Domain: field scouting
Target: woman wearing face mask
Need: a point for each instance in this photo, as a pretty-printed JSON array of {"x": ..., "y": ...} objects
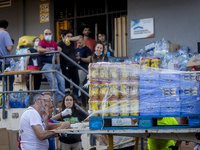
[
  {"x": 98, "y": 56},
  {"x": 32, "y": 64},
  {"x": 70, "y": 141}
]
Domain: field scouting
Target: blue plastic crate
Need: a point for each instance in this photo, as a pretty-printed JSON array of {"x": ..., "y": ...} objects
[
  {"x": 150, "y": 109},
  {"x": 170, "y": 108},
  {"x": 175, "y": 77},
  {"x": 169, "y": 83},
  {"x": 150, "y": 94},
  {"x": 189, "y": 98},
  {"x": 169, "y": 80},
  {"x": 145, "y": 84},
  {"x": 189, "y": 77},
  {"x": 190, "y": 91},
  {"x": 170, "y": 94},
  {"x": 170, "y": 91},
  {"x": 149, "y": 77},
  {"x": 16, "y": 104},
  {"x": 190, "y": 107},
  {"x": 189, "y": 84}
]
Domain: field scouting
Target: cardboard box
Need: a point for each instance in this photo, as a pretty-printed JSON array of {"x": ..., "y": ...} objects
[
  {"x": 194, "y": 61},
  {"x": 4, "y": 140},
  {"x": 187, "y": 145},
  {"x": 20, "y": 78},
  {"x": 173, "y": 47}
]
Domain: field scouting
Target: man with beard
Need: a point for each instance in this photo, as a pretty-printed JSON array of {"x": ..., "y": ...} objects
[
  {"x": 89, "y": 42},
  {"x": 32, "y": 128}
]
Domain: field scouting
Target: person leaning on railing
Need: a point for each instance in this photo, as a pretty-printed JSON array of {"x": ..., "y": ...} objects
[
  {"x": 32, "y": 64},
  {"x": 45, "y": 63}
]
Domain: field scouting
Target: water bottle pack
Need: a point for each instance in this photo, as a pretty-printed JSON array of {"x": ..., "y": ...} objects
[
  {"x": 17, "y": 100},
  {"x": 18, "y": 65}
]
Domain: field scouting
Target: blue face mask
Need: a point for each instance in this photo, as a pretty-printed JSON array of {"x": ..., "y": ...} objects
[
  {"x": 47, "y": 37},
  {"x": 36, "y": 44},
  {"x": 98, "y": 54}
]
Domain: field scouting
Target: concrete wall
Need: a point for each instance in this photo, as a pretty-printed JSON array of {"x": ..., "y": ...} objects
[
  {"x": 174, "y": 20},
  {"x": 23, "y": 17}
]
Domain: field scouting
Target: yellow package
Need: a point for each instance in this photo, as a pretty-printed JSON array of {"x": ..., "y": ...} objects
[
  {"x": 134, "y": 107},
  {"x": 94, "y": 71},
  {"x": 103, "y": 89},
  {"x": 105, "y": 106},
  {"x": 134, "y": 89},
  {"x": 114, "y": 71},
  {"x": 124, "y": 90},
  {"x": 114, "y": 90},
  {"x": 134, "y": 71},
  {"x": 124, "y": 107},
  {"x": 103, "y": 71},
  {"x": 124, "y": 72},
  {"x": 114, "y": 107},
  {"x": 94, "y": 90},
  {"x": 93, "y": 106}
]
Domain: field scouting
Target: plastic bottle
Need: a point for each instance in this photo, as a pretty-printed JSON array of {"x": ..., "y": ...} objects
[
  {"x": 171, "y": 65},
  {"x": 108, "y": 55},
  {"x": 193, "y": 68},
  {"x": 110, "y": 59},
  {"x": 12, "y": 65},
  {"x": 175, "y": 61},
  {"x": 22, "y": 66},
  {"x": 17, "y": 65}
]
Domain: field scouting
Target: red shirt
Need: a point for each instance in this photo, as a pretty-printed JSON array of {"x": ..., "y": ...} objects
[
  {"x": 48, "y": 57},
  {"x": 51, "y": 46}
]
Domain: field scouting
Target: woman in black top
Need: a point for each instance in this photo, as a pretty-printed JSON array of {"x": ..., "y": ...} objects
[
  {"x": 70, "y": 141},
  {"x": 32, "y": 64}
]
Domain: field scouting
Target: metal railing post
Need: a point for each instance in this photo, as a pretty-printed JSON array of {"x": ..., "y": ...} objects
[
  {"x": 4, "y": 87},
  {"x": 54, "y": 84}
]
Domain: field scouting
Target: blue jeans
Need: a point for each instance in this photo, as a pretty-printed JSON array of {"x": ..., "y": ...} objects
[
  {"x": 59, "y": 81},
  {"x": 11, "y": 77}
]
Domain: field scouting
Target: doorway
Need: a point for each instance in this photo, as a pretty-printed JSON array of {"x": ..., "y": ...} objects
[{"x": 96, "y": 24}]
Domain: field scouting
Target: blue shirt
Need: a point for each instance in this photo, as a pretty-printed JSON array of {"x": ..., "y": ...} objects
[
  {"x": 51, "y": 140},
  {"x": 84, "y": 53},
  {"x": 5, "y": 41}
]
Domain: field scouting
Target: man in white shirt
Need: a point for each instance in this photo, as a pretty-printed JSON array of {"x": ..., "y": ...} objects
[{"x": 32, "y": 128}]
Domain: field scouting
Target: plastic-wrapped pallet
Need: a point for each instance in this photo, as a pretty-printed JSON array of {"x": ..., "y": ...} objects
[{"x": 128, "y": 89}]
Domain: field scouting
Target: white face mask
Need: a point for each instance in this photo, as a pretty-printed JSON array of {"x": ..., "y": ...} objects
[
  {"x": 36, "y": 44},
  {"x": 47, "y": 37}
]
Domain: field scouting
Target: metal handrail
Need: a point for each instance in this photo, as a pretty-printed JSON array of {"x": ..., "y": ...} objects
[
  {"x": 35, "y": 54},
  {"x": 39, "y": 72}
]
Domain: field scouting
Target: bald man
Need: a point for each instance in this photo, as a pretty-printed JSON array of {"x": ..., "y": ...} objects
[{"x": 45, "y": 62}]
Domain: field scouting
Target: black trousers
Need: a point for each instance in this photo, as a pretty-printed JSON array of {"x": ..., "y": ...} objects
[
  {"x": 71, "y": 73},
  {"x": 84, "y": 98},
  {"x": 37, "y": 81}
]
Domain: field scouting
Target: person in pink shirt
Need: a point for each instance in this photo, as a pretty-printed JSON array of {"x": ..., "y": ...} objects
[{"x": 45, "y": 62}]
